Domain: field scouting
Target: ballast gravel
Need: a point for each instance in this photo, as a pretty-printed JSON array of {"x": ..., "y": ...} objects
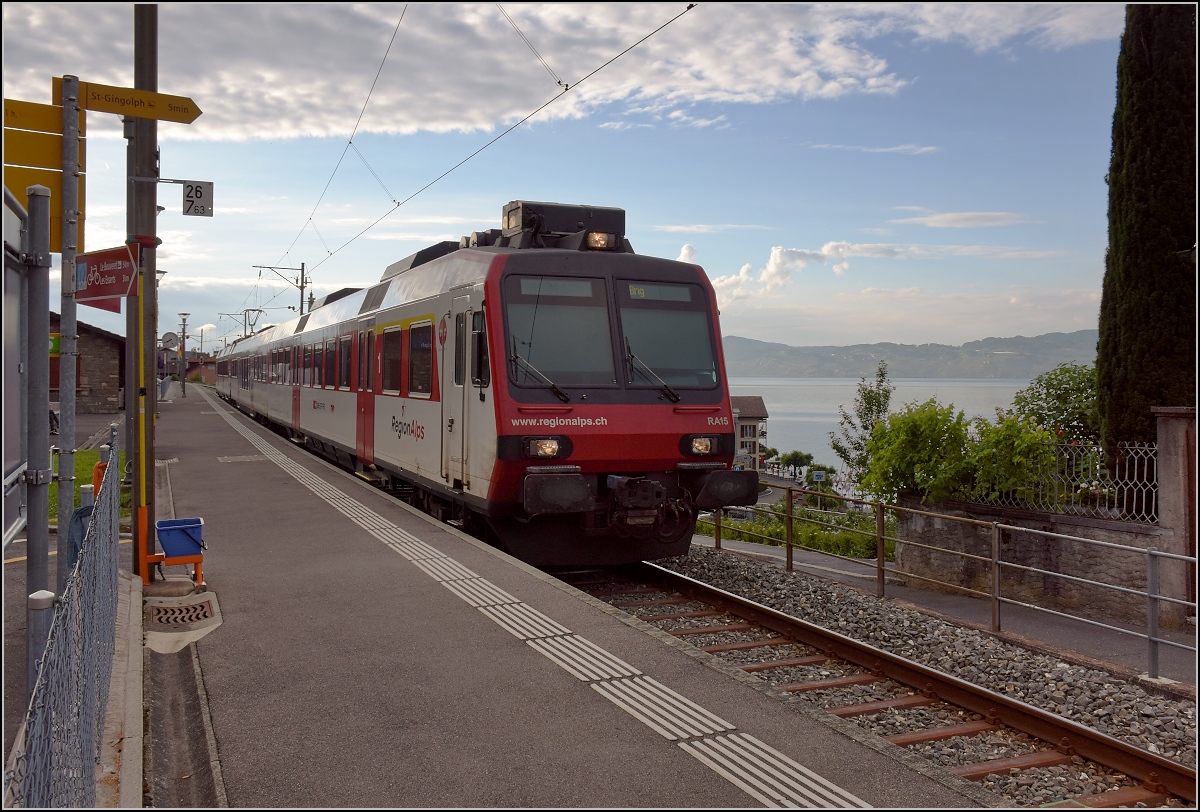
[{"x": 1099, "y": 700}]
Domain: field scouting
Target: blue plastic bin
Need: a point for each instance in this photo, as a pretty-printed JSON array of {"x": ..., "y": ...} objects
[{"x": 180, "y": 537}]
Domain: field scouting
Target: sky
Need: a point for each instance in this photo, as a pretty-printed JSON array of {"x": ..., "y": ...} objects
[{"x": 844, "y": 173}]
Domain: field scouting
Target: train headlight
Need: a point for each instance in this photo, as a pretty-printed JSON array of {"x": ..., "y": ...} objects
[
  {"x": 541, "y": 447},
  {"x": 704, "y": 446},
  {"x": 601, "y": 240}
]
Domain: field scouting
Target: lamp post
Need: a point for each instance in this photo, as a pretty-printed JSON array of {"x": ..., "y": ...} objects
[
  {"x": 183, "y": 354},
  {"x": 159, "y": 273}
]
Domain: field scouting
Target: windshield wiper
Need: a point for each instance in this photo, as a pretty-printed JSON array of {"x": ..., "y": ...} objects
[
  {"x": 560, "y": 394},
  {"x": 630, "y": 357}
]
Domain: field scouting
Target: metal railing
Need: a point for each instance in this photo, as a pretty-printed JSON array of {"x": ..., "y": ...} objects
[
  {"x": 53, "y": 763},
  {"x": 992, "y": 566}
]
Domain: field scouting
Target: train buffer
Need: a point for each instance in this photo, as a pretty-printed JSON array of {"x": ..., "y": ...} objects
[{"x": 182, "y": 542}]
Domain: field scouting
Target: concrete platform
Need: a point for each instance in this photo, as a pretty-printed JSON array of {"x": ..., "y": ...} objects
[{"x": 371, "y": 657}]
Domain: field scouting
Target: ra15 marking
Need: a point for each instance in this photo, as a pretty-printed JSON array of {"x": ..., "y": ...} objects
[{"x": 718, "y": 421}]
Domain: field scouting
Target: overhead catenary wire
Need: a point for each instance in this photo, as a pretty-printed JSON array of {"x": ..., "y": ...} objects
[
  {"x": 551, "y": 101},
  {"x": 550, "y": 70},
  {"x": 353, "y": 132}
]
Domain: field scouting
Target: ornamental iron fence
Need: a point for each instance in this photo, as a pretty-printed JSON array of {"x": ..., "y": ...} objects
[{"x": 1076, "y": 479}]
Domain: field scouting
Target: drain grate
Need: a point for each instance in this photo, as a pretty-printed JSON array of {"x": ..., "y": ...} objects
[
  {"x": 175, "y": 615},
  {"x": 170, "y": 623}
]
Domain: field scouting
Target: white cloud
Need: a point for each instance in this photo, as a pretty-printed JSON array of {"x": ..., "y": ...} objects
[
  {"x": 703, "y": 228},
  {"x": 270, "y": 71},
  {"x": 687, "y": 254},
  {"x": 783, "y": 262},
  {"x": 903, "y": 149},
  {"x": 966, "y": 219},
  {"x": 680, "y": 118}
]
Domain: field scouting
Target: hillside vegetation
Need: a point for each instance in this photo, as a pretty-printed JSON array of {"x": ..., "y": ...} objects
[{"x": 1018, "y": 357}]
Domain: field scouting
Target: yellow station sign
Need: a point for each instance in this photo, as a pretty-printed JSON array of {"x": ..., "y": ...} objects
[
  {"x": 128, "y": 101},
  {"x": 29, "y": 148},
  {"x": 33, "y": 156},
  {"x": 43, "y": 118},
  {"x": 19, "y": 178}
]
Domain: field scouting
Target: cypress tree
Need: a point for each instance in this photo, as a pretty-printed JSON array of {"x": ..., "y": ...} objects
[{"x": 1146, "y": 355}]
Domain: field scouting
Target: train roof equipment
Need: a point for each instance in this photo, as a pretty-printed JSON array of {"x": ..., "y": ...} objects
[{"x": 528, "y": 224}]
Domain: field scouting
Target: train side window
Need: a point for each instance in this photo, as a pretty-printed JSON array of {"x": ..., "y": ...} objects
[
  {"x": 318, "y": 363},
  {"x": 367, "y": 346},
  {"x": 307, "y": 379},
  {"x": 344, "y": 363},
  {"x": 460, "y": 348},
  {"x": 362, "y": 361},
  {"x": 329, "y": 377},
  {"x": 391, "y": 360},
  {"x": 481, "y": 371},
  {"x": 420, "y": 359}
]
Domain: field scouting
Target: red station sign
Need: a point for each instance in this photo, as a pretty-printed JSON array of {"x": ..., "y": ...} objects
[{"x": 102, "y": 278}]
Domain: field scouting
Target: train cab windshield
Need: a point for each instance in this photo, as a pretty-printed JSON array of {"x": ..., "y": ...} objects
[
  {"x": 666, "y": 335},
  {"x": 560, "y": 334}
]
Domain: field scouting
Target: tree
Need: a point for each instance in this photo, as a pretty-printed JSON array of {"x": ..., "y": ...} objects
[
  {"x": 870, "y": 406},
  {"x": 768, "y": 453},
  {"x": 1062, "y": 401},
  {"x": 1146, "y": 355},
  {"x": 796, "y": 459}
]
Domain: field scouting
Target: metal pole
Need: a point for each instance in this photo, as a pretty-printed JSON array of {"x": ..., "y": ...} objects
[
  {"x": 1152, "y": 609},
  {"x": 131, "y": 311},
  {"x": 37, "y": 477},
  {"x": 68, "y": 351},
  {"x": 995, "y": 577},
  {"x": 144, "y": 227},
  {"x": 41, "y": 618},
  {"x": 717, "y": 528},
  {"x": 183, "y": 354},
  {"x": 880, "y": 550},
  {"x": 787, "y": 531}
]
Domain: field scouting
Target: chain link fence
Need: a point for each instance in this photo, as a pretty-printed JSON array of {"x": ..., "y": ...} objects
[
  {"x": 53, "y": 763},
  {"x": 1077, "y": 481}
]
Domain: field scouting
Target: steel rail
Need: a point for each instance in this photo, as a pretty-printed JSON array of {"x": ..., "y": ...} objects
[{"x": 1154, "y": 771}]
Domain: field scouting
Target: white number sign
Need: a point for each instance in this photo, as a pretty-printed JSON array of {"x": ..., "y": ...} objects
[{"x": 198, "y": 198}]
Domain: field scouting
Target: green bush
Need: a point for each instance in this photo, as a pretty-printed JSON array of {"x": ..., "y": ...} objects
[
  {"x": 1062, "y": 401},
  {"x": 1007, "y": 458},
  {"x": 920, "y": 450},
  {"x": 840, "y": 539}
]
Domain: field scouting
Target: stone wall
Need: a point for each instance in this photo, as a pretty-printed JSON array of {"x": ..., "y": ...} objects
[
  {"x": 98, "y": 378},
  {"x": 1050, "y": 554}
]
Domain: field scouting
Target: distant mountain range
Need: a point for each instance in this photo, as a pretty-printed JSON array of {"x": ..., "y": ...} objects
[{"x": 1017, "y": 357}]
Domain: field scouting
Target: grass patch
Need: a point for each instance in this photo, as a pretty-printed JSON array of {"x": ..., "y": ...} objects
[
  {"x": 85, "y": 462},
  {"x": 847, "y": 534}
]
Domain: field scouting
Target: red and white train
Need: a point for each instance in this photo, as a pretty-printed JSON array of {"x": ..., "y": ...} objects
[{"x": 541, "y": 385}]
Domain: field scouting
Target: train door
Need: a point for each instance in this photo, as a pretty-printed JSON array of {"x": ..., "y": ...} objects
[
  {"x": 294, "y": 381},
  {"x": 364, "y": 434},
  {"x": 454, "y": 391}
]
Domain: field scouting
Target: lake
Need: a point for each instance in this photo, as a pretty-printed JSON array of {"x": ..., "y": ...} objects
[{"x": 804, "y": 410}]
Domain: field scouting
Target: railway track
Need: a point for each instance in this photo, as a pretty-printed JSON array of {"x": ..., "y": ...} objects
[{"x": 974, "y": 733}]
